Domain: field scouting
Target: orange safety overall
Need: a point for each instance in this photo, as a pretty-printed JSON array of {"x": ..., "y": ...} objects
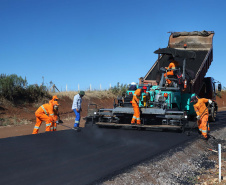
[
  {"x": 135, "y": 104},
  {"x": 55, "y": 116},
  {"x": 172, "y": 65},
  {"x": 44, "y": 113},
  {"x": 202, "y": 111},
  {"x": 54, "y": 124}
]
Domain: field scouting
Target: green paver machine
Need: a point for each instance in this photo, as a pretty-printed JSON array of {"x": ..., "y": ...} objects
[{"x": 169, "y": 107}]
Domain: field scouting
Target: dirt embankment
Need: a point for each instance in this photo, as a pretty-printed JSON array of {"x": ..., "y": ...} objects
[{"x": 20, "y": 119}]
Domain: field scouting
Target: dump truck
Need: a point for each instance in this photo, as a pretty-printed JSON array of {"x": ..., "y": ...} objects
[{"x": 163, "y": 106}]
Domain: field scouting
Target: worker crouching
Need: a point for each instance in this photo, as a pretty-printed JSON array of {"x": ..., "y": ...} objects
[
  {"x": 45, "y": 113},
  {"x": 135, "y": 104},
  {"x": 55, "y": 113},
  {"x": 202, "y": 113}
]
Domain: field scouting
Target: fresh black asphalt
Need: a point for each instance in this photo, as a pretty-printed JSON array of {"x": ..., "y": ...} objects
[{"x": 86, "y": 157}]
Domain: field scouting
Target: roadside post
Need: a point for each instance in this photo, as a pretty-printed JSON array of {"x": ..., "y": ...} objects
[{"x": 219, "y": 157}]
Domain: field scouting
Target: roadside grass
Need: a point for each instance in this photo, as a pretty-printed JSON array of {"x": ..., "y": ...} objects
[
  {"x": 88, "y": 94},
  {"x": 4, "y": 121},
  {"x": 13, "y": 121}
]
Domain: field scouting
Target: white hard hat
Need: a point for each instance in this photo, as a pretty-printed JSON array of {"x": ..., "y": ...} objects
[{"x": 133, "y": 83}]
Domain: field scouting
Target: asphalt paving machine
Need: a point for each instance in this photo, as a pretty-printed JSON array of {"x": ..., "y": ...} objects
[{"x": 163, "y": 106}]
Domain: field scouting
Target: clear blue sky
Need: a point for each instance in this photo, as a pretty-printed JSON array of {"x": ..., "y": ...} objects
[{"x": 100, "y": 41}]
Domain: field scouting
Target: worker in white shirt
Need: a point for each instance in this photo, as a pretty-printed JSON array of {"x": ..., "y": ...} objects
[{"x": 76, "y": 107}]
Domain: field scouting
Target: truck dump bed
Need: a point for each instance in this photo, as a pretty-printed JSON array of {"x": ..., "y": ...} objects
[{"x": 198, "y": 42}]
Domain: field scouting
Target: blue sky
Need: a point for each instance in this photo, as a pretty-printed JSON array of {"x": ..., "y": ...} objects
[{"x": 71, "y": 42}]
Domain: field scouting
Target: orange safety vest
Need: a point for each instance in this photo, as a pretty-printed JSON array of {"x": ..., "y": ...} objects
[
  {"x": 173, "y": 65},
  {"x": 200, "y": 107},
  {"x": 136, "y": 97},
  {"x": 45, "y": 109}
]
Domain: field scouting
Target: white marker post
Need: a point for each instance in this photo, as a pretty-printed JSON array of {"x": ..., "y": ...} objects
[{"x": 219, "y": 156}]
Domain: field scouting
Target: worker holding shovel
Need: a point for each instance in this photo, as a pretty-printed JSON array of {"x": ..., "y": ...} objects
[{"x": 202, "y": 114}]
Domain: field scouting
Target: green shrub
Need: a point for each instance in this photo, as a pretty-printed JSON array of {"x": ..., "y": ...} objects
[
  {"x": 119, "y": 89},
  {"x": 12, "y": 86},
  {"x": 35, "y": 92},
  {"x": 16, "y": 89}
]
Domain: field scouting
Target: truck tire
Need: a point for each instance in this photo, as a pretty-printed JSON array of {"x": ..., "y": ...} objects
[{"x": 213, "y": 114}]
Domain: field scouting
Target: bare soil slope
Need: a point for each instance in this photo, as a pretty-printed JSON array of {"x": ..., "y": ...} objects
[{"x": 20, "y": 119}]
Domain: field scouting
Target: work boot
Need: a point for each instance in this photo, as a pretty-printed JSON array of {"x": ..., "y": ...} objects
[
  {"x": 78, "y": 129},
  {"x": 206, "y": 138},
  {"x": 202, "y": 137},
  {"x": 199, "y": 132}
]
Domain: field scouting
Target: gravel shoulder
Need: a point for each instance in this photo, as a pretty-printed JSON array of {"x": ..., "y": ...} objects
[{"x": 195, "y": 163}]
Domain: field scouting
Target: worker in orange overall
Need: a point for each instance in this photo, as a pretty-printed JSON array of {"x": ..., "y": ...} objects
[
  {"x": 45, "y": 113},
  {"x": 135, "y": 104},
  {"x": 202, "y": 114},
  {"x": 170, "y": 70},
  {"x": 56, "y": 114}
]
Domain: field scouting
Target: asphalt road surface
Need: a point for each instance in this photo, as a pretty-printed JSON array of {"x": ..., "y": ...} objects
[{"x": 86, "y": 157}]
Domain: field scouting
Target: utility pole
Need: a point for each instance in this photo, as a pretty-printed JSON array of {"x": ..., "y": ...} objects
[{"x": 43, "y": 80}]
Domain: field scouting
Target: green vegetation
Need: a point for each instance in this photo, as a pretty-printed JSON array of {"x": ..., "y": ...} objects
[
  {"x": 14, "y": 88},
  {"x": 113, "y": 92},
  {"x": 119, "y": 89}
]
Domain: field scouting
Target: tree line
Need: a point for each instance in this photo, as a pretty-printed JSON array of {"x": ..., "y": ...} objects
[{"x": 14, "y": 88}]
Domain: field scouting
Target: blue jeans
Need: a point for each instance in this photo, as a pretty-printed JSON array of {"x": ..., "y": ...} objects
[{"x": 77, "y": 118}]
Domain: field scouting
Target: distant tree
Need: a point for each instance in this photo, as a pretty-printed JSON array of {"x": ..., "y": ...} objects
[
  {"x": 119, "y": 89},
  {"x": 14, "y": 88}
]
